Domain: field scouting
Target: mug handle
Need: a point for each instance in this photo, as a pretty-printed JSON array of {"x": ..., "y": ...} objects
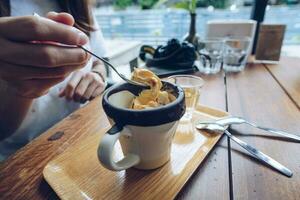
[{"x": 105, "y": 151}]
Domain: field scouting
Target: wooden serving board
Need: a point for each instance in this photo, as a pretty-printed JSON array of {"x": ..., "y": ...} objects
[{"x": 77, "y": 173}]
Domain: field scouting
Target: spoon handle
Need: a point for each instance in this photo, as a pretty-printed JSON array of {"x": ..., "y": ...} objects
[
  {"x": 110, "y": 65},
  {"x": 102, "y": 59},
  {"x": 261, "y": 156},
  {"x": 282, "y": 133}
]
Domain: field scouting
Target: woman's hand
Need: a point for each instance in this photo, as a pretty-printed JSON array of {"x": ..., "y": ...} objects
[
  {"x": 83, "y": 87},
  {"x": 32, "y": 68}
]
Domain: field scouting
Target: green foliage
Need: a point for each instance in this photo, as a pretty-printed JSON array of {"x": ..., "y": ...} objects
[
  {"x": 182, "y": 5},
  {"x": 191, "y": 5},
  {"x": 214, "y": 3},
  {"x": 278, "y": 2},
  {"x": 219, "y": 3},
  {"x": 122, "y": 4},
  {"x": 186, "y": 5},
  {"x": 147, "y": 4}
]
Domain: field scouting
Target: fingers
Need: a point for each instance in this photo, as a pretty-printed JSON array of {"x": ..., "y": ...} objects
[
  {"x": 94, "y": 89},
  {"x": 97, "y": 92},
  {"x": 72, "y": 84},
  {"x": 42, "y": 55},
  {"x": 36, "y": 28},
  {"x": 90, "y": 90},
  {"x": 64, "y": 18},
  {"x": 12, "y": 72},
  {"x": 82, "y": 87},
  {"x": 35, "y": 87}
]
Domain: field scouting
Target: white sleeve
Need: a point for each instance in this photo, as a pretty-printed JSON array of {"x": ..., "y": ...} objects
[
  {"x": 97, "y": 43},
  {"x": 96, "y": 39}
]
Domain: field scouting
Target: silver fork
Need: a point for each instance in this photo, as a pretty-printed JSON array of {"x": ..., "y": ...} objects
[
  {"x": 238, "y": 120},
  {"x": 253, "y": 151}
]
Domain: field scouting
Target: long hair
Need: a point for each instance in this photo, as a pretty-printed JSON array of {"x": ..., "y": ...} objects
[
  {"x": 4, "y": 8},
  {"x": 79, "y": 9}
]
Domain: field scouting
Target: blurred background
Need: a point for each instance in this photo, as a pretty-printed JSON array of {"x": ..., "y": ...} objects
[{"x": 144, "y": 21}]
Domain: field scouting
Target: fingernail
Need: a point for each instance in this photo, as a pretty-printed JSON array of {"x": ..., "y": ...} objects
[
  {"x": 83, "y": 39},
  {"x": 52, "y": 13}
]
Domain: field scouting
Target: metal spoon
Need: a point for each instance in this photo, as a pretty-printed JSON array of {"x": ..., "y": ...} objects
[
  {"x": 110, "y": 65},
  {"x": 238, "y": 120},
  {"x": 256, "y": 153}
]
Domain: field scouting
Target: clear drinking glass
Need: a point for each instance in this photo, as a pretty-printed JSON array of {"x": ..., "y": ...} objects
[
  {"x": 191, "y": 86},
  {"x": 211, "y": 55},
  {"x": 236, "y": 52}
]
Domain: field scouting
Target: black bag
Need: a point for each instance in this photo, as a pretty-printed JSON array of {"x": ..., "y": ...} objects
[{"x": 173, "y": 58}]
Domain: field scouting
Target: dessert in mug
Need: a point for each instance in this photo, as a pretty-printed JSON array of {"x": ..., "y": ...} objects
[
  {"x": 153, "y": 97},
  {"x": 144, "y": 121}
]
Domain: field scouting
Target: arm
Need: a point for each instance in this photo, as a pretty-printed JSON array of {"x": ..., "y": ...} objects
[
  {"x": 13, "y": 110},
  {"x": 30, "y": 73},
  {"x": 85, "y": 86},
  {"x": 99, "y": 68}
]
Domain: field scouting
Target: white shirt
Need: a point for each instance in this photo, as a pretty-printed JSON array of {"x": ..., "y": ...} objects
[{"x": 48, "y": 109}]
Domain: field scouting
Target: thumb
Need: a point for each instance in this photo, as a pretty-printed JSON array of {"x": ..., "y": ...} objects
[{"x": 62, "y": 17}]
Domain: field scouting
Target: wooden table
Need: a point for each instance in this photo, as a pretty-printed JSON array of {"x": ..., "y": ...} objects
[{"x": 266, "y": 94}]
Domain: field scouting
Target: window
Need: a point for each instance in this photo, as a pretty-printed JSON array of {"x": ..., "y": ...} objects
[
  {"x": 289, "y": 15},
  {"x": 155, "y": 26}
]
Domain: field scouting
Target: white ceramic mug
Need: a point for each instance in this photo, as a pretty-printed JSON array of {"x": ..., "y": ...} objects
[{"x": 145, "y": 135}]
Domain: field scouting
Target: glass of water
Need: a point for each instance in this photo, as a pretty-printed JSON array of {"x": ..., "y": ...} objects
[
  {"x": 236, "y": 52},
  {"x": 210, "y": 55},
  {"x": 191, "y": 86}
]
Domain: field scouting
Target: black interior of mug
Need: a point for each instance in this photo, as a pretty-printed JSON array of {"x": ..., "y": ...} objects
[{"x": 146, "y": 117}]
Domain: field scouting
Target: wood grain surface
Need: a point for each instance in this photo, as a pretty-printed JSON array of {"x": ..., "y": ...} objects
[
  {"x": 287, "y": 74},
  {"x": 268, "y": 95},
  {"x": 21, "y": 175},
  {"x": 77, "y": 173},
  {"x": 255, "y": 95},
  {"x": 213, "y": 173}
]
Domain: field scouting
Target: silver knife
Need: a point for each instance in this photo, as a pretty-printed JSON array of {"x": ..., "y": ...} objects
[{"x": 253, "y": 151}]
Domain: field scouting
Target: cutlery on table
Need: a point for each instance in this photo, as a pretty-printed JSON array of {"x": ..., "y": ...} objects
[
  {"x": 253, "y": 151},
  {"x": 238, "y": 120}
]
